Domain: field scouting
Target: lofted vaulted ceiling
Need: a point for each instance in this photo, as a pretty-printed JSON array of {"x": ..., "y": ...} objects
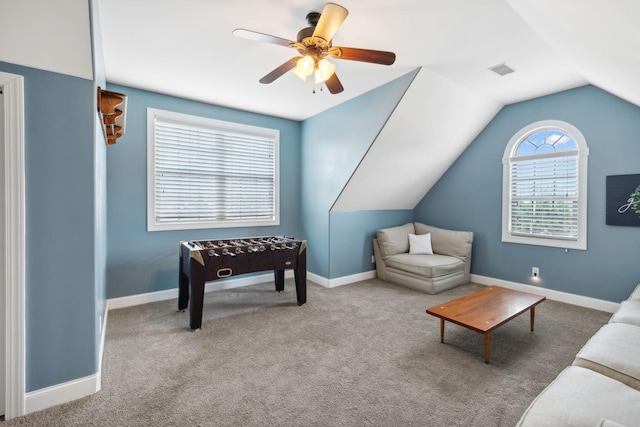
[{"x": 186, "y": 48}]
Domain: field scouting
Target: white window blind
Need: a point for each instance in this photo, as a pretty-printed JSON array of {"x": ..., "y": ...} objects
[
  {"x": 207, "y": 173},
  {"x": 544, "y": 197},
  {"x": 545, "y": 186}
]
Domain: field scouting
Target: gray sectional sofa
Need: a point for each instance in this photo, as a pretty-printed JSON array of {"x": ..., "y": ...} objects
[
  {"x": 602, "y": 386},
  {"x": 444, "y": 263}
]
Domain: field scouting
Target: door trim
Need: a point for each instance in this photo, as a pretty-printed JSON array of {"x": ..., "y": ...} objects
[{"x": 13, "y": 90}]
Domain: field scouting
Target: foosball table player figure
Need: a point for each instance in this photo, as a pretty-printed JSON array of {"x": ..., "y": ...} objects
[{"x": 204, "y": 261}]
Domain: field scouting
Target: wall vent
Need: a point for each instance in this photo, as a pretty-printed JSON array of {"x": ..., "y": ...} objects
[{"x": 502, "y": 69}]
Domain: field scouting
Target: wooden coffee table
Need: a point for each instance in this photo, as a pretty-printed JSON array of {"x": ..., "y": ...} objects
[{"x": 484, "y": 310}]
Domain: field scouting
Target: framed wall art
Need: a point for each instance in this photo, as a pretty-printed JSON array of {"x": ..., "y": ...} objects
[{"x": 623, "y": 200}]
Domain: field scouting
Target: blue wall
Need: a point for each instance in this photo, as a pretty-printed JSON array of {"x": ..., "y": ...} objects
[
  {"x": 351, "y": 235},
  {"x": 139, "y": 261},
  {"x": 469, "y": 197},
  {"x": 60, "y": 236},
  {"x": 334, "y": 143}
]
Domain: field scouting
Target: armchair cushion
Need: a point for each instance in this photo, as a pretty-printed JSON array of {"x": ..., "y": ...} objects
[
  {"x": 395, "y": 240},
  {"x": 428, "y": 266},
  {"x": 447, "y": 242}
]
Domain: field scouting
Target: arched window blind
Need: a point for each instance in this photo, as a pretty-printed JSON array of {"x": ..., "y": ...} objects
[
  {"x": 205, "y": 173},
  {"x": 544, "y": 189}
]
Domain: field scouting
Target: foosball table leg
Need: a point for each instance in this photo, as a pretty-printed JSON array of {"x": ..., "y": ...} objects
[
  {"x": 196, "y": 291},
  {"x": 183, "y": 292},
  {"x": 279, "y": 278},
  {"x": 301, "y": 285},
  {"x": 300, "y": 274}
]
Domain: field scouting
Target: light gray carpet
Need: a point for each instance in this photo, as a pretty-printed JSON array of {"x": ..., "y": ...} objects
[{"x": 364, "y": 354}]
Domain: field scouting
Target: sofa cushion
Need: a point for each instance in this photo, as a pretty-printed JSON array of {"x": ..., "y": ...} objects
[
  {"x": 609, "y": 423},
  {"x": 582, "y": 397},
  {"x": 420, "y": 244},
  {"x": 426, "y": 265},
  {"x": 612, "y": 351},
  {"x": 628, "y": 312},
  {"x": 635, "y": 295},
  {"x": 395, "y": 240},
  {"x": 447, "y": 242}
]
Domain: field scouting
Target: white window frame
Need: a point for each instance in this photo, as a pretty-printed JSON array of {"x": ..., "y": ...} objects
[
  {"x": 583, "y": 154},
  {"x": 220, "y": 126}
]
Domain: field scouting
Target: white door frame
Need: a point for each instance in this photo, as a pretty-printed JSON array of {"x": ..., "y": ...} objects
[{"x": 13, "y": 91}]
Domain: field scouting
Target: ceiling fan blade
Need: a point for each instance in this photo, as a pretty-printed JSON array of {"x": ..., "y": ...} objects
[
  {"x": 363, "y": 55},
  {"x": 261, "y": 37},
  {"x": 278, "y": 72},
  {"x": 333, "y": 84},
  {"x": 331, "y": 18}
]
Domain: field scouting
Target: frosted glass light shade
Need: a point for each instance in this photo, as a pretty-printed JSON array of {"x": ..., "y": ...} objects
[
  {"x": 324, "y": 70},
  {"x": 299, "y": 75},
  {"x": 304, "y": 67}
]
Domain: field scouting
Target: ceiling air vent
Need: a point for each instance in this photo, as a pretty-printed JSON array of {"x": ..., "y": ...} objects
[{"x": 502, "y": 69}]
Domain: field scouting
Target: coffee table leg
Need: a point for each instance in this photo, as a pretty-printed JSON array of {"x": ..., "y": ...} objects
[
  {"x": 441, "y": 330},
  {"x": 487, "y": 346},
  {"x": 533, "y": 316}
]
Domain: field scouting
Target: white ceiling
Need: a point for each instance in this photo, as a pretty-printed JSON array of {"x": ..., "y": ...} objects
[
  {"x": 53, "y": 36},
  {"x": 186, "y": 48}
]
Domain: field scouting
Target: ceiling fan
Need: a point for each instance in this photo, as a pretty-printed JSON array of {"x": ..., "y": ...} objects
[{"x": 314, "y": 44}]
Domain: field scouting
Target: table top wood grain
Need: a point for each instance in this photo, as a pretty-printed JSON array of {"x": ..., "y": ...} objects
[{"x": 486, "y": 309}]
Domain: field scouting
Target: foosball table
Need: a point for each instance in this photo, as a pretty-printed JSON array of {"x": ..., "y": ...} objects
[{"x": 208, "y": 260}]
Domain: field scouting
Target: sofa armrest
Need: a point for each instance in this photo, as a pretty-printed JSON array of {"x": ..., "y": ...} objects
[
  {"x": 448, "y": 242},
  {"x": 381, "y": 267},
  {"x": 635, "y": 295}
]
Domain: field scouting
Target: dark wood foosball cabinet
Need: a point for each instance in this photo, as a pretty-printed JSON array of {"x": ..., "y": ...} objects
[{"x": 208, "y": 260}]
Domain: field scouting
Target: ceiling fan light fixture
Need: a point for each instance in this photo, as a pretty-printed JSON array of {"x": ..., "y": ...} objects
[
  {"x": 304, "y": 67},
  {"x": 299, "y": 75},
  {"x": 313, "y": 44},
  {"x": 324, "y": 70}
]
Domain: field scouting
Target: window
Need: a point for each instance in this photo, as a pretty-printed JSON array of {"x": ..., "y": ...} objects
[
  {"x": 544, "y": 195},
  {"x": 205, "y": 173}
]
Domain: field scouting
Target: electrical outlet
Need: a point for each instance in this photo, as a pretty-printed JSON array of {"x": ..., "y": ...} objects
[
  {"x": 373, "y": 259},
  {"x": 535, "y": 271}
]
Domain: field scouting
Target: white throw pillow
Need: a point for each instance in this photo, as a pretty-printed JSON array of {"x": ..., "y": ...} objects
[{"x": 420, "y": 244}]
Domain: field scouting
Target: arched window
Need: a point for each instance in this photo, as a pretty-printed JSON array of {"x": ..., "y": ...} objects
[{"x": 544, "y": 195}]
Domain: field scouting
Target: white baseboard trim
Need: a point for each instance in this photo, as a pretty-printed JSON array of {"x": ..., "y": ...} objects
[
  {"x": 217, "y": 285},
  {"x": 344, "y": 280},
  {"x": 61, "y": 393},
  {"x": 76, "y": 389},
  {"x": 103, "y": 332},
  {"x": 66, "y": 392},
  {"x": 588, "y": 302}
]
